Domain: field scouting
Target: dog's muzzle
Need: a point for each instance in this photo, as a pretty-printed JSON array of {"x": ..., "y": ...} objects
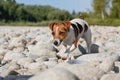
[{"x": 56, "y": 42}]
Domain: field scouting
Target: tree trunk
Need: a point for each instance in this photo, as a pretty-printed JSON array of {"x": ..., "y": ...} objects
[{"x": 102, "y": 15}]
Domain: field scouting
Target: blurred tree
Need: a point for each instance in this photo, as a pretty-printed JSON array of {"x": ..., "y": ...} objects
[
  {"x": 11, "y": 11},
  {"x": 115, "y": 9},
  {"x": 83, "y": 15},
  {"x": 73, "y": 12},
  {"x": 23, "y": 15},
  {"x": 57, "y": 14},
  {"x": 9, "y": 7},
  {"x": 1, "y": 10},
  {"x": 99, "y": 7}
]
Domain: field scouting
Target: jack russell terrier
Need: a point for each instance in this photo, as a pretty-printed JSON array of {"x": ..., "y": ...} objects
[{"x": 68, "y": 33}]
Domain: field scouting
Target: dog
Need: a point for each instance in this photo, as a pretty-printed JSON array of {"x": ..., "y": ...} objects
[{"x": 68, "y": 33}]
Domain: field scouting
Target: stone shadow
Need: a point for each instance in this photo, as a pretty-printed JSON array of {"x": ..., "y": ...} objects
[
  {"x": 16, "y": 77},
  {"x": 94, "y": 49},
  {"x": 116, "y": 69}
]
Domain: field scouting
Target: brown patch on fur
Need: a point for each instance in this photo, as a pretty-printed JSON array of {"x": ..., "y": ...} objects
[
  {"x": 60, "y": 30},
  {"x": 75, "y": 41},
  {"x": 67, "y": 24},
  {"x": 51, "y": 25}
]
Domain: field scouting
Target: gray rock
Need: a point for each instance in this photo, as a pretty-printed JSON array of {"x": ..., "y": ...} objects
[
  {"x": 22, "y": 71},
  {"x": 40, "y": 51},
  {"x": 32, "y": 56},
  {"x": 36, "y": 65},
  {"x": 2, "y": 53},
  {"x": 4, "y": 67},
  {"x": 55, "y": 74},
  {"x": 17, "y": 42},
  {"x": 2, "y": 40},
  {"x": 25, "y": 61},
  {"x": 35, "y": 68},
  {"x": 98, "y": 56},
  {"x": 12, "y": 56},
  {"x": 111, "y": 77},
  {"x": 50, "y": 64},
  {"x": 9, "y": 69},
  {"x": 105, "y": 61},
  {"x": 13, "y": 66},
  {"x": 47, "y": 45},
  {"x": 53, "y": 59},
  {"x": 108, "y": 64},
  {"x": 19, "y": 49},
  {"x": 83, "y": 71},
  {"x": 42, "y": 59},
  {"x": 31, "y": 34}
]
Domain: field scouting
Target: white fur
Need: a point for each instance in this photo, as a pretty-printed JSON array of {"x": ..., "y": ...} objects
[{"x": 57, "y": 30}]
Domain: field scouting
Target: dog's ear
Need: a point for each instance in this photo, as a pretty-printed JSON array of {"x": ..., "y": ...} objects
[
  {"x": 51, "y": 25},
  {"x": 67, "y": 24}
]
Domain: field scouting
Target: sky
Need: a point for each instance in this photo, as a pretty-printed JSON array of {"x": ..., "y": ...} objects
[{"x": 69, "y": 5}]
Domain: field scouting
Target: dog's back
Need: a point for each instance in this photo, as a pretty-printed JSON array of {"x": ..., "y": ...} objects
[
  {"x": 80, "y": 26},
  {"x": 78, "y": 20}
]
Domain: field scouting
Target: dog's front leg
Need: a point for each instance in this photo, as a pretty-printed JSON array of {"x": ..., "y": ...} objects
[
  {"x": 66, "y": 55},
  {"x": 73, "y": 47},
  {"x": 70, "y": 49},
  {"x": 65, "y": 51},
  {"x": 61, "y": 53}
]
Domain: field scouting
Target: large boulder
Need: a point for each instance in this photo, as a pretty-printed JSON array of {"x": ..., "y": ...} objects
[
  {"x": 41, "y": 50},
  {"x": 55, "y": 74},
  {"x": 12, "y": 56},
  {"x": 83, "y": 71},
  {"x": 111, "y": 77}
]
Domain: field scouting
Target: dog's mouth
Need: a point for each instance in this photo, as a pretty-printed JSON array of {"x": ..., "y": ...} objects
[{"x": 57, "y": 42}]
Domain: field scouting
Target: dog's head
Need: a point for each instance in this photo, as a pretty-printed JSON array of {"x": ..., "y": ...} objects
[{"x": 59, "y": 31}]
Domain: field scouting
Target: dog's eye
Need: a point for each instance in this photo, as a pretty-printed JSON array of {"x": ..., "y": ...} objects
[
  {"x": 52, "y": 33},
  {"x": 62, "y": 33}
]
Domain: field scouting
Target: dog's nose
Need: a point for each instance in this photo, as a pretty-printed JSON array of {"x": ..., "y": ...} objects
[{"x": 55, "y": 43}]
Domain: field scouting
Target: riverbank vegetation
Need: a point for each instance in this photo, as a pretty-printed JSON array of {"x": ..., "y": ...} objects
[{"x": 105, "y": 12}]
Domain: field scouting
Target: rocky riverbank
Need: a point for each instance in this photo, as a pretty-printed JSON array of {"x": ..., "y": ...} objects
[{"x": 26, "y": 53}]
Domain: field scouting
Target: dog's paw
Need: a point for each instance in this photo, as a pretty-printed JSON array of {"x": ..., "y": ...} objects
[{"x": 63, "y": 56}]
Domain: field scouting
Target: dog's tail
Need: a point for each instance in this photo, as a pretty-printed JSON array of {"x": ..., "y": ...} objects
[{"x": 81, "y": 16}]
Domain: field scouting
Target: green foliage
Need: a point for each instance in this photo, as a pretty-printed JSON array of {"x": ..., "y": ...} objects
[
  {"x": 115, "y": 9},
  {"x": 106, "y": 22},
  {"x": 12, "y": 13},
  {"x": 100, "y": 8}
]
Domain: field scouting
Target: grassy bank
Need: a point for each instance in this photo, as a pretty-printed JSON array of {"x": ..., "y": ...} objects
[
  {"x": 105, "y": 22},
  {"x": 44, "y": 23},
  {"x": 91, "y": 21}
]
